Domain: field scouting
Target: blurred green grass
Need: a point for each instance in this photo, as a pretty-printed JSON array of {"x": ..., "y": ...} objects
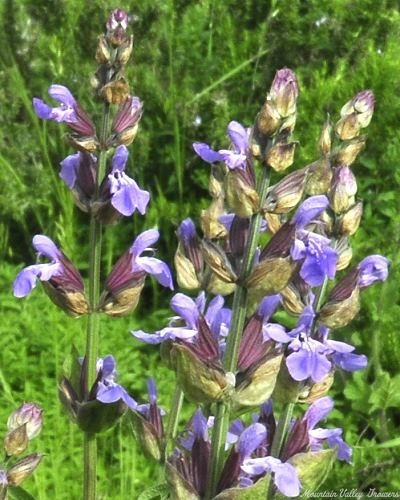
[{"x": 197, "y": 65}]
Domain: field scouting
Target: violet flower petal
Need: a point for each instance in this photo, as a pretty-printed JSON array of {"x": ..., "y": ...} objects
[
  {"x": 372, "y": 268},
  {"x": 144, "y": 241},
  {"x": 156, "y": 268},
  {"x": 206, "y": 153},
  {"x": 311, "y": 208},
  {"x": 46, "y": 246},
  {"x": 317, "y": 411}
]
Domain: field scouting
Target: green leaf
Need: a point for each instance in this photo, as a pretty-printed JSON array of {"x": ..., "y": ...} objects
[
  {"x": 157, "y": 492},
  {"x": 257, "y": 491},
  {"x": 17, "y": 493},
  {"x": 385, "y": 392}
]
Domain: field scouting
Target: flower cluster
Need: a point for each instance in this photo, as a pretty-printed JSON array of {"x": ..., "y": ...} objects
[
  {"x": 96, "y": 175},
  {"x": 286, "y": 247}
]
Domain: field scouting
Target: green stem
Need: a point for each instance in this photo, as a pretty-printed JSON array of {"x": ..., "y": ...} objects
[
  {"x": 279, "y": 440},
  {"x": 93, "y": 324},
  {"x": 239, "y": 310},
  {"x": 173, "y": 418}
]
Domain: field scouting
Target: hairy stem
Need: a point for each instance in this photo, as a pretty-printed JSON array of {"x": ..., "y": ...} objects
[
  {"x": 239, "y": 310},
  {"x": 93, "y": 324}
]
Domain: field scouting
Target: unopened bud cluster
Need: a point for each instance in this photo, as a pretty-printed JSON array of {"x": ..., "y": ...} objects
[{"x": 23, "y": 425}]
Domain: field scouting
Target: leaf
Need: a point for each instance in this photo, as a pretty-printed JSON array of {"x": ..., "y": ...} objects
[
  {"x": 18, "y": 493},
  {"x": 385, "y": 392},
  {"x": 158, "y": 492},
  {"x": 257, "y": 491}
]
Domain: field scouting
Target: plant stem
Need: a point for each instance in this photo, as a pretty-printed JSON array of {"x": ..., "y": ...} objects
[
  {"x": 279, "y": 440},
  {"x": 239, "y": 310},
  {"x": 93, "y": 324},
  {"x": 173, "y": 418}
]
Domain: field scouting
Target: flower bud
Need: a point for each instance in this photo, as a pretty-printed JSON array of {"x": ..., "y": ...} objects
[
  {"x": 285, "y": 195},
  {"x": 16, "y": 441},
  {"x": 241, "y": 196},
  {"x": 146, "y": 435},
  {"x": 348, "y": 151},
  {"x": 73, "y": 303},
  {"x": 258, "y": 382},
  {"x": 325, "y": 140},
  {"x": 319, "y": 177},
  {"x": 355, "y": 114},
  {"x": 349, "y": 222},
  {"x": 125, "y": 125},
  {"x": 28, "y": 414},
  {"x": 124, "y": 51},
  {"x": 284, "y": 92},
  {"x": 274, "y": 221},
  {"x": 94, "y": 417},
  {"x": 267, "y": 122},
  {"x": 292, "y": 300},
  {"x": 216, "y": 286},
  {"x": 338, "y": 313},
  {"x": 115, "y": 92},
  {"x": 343, "y": 189},
  {"x": 185, "y": 271},
  {"x": 201, "y": 382},
  {"x": 103, "y": 53},
  {"x": 281, "y": 156},
  {"x": 209, "y": 223},
  {"x": 217, "y": 260},
  {"x": 23, "y": 469},
  {"x": 270, "y": 276},
  {"x": 181, "y": 488},
  {"x": 317, "y": 390},
  {"x": 345, "y": 253},
  {"x": 123, "y": 301},
  {"x": 347, "y": 127}
]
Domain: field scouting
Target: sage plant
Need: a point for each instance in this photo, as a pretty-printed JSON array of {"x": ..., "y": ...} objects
[{"x": 269, "y": 241}]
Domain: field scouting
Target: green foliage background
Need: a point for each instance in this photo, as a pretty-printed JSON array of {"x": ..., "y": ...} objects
[{"x": 197, "y": 65}]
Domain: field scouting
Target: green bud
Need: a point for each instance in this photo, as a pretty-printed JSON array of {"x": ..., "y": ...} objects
[
  {"x": 93, "y": 416},
  {"x": 241, "y": 197},
  {"x": 73, "y": 303},
  {"x": 201, "y": 382},
  {"x": 349, "y": 222},
  {"x": 280, "y": 156},
  {"x": 23, "y": 469},
  {"x": 348, "y": 151},
  {"x": 16, "y": 441},
  {"x": 146, "y": 435},
  {"x": 258, "y": 382},
  {"x": 336, "y": 314},
  {"x": 217, "y": 260},
  {"x": 311, "y": 393},
  {"x": 256, "y": 491},
  {"x": 270, "y": 275},
  {"x": 319, "y": 178},
  {"x": 181, "y": 489},
  {"x": 285, "y": 195},
  {"x": 122, "y": 302},
  {"x": 313, "y": 467},
  {"x": 185, "y": 272}
]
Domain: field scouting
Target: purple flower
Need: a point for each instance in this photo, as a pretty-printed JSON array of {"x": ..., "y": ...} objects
[
  {"x": 285, "y": 475},
  {"x": 63, "y": 113},
  {"x": 371, "y": 269},
  {"x": 126, "y": 196},
  {"x": 108, "y": 391},
  {"x": 315, "y": 413},
  {"x": 190, "y": 311},
  {"x": 60, "y": 271},
  {"x": 319, "y": 259},
  {"x": 132, "y": 267},
  {"x": 233, "y": 158}
]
